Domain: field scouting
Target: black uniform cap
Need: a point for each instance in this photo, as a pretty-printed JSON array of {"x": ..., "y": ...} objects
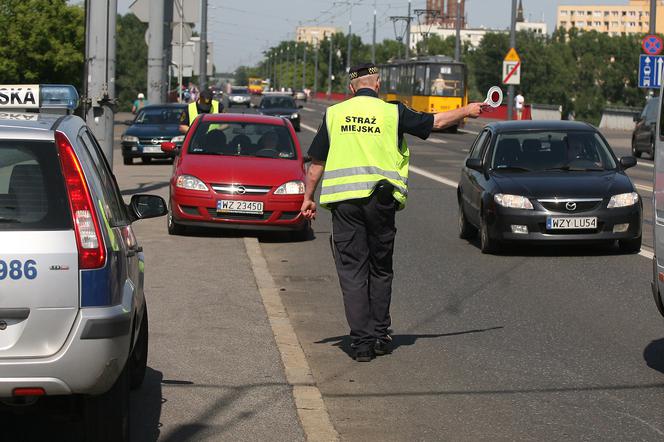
[
  {"x": 362, "y": 69},
  {"x": 206, "y": 94}
]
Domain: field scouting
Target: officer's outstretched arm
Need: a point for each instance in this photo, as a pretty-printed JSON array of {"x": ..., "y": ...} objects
[{"x": 442, "y": 120}]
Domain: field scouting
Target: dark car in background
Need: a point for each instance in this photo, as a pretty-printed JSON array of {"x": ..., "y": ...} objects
[
  {"x": 152, "y": 126},
  {"x": 539, "y": 181},
  {"x": 239, "y": 96},
  {"x": 281, "y": 106},
  {"x": 643, "y": 137}
]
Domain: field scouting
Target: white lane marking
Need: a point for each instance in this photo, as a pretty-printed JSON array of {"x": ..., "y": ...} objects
[
  {"x": 433, "y": 176},
  {"x": 642, "y": 187},
  {"x": 311, "y": 409},
  {"x": 466, "y": 131},
  {"x": 437, "y": 140},
  {"x": 308, "y": 109},
  {"x": 309, "y": 128},
  {"x": 646, "y": 253}
]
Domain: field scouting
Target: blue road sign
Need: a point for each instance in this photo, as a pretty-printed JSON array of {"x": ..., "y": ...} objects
[{"x": 650, "y": 71}]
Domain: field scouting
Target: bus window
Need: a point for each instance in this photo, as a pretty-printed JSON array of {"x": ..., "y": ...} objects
[
  {"x": 394, "y": 79},
  {"x": 419, "y": 85},
  {"x": 447, "y": 80}
]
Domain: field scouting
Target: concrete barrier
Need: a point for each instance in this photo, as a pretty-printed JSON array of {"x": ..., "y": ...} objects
[
  {"x": 545, "y": 112},
  {"x": 618, "y": 118}
]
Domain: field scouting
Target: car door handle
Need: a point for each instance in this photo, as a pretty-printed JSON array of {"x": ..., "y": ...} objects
[
  {"x": 14, "y": 313},
  {"x": 133, "y": 251}
]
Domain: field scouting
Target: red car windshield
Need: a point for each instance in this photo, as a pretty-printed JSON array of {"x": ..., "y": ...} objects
[{"x": 242, "y": 139}]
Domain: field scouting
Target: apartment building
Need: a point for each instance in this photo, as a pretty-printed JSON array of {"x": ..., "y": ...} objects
[
  {"x": 632, "y": 18},
  {"x": 314, "y": 34}
]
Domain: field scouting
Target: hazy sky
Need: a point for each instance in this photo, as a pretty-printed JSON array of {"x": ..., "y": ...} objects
[{"x": 243, "y": 29}]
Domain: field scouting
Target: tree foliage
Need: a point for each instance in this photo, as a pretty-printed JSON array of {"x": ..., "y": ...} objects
[
  {"x": 43, "y": 41},
  {"x": 132, "y": 59},
  {"x": 583, "y": 72}
]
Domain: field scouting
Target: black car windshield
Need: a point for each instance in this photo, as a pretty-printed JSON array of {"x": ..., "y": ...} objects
[
  {"x": 239, "y": 90},
  {"x": 242, "y": 139},
  {"x": 549, "y": 150},
  {"x": 277, "y": 102},
  {"x": 159, "y": 115}
]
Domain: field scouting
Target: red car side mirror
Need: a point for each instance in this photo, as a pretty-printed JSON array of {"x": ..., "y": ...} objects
[{"x": 168, "y": 147}]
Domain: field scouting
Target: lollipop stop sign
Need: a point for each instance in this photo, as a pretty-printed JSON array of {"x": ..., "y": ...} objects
[{"x": 494, "y": 97}]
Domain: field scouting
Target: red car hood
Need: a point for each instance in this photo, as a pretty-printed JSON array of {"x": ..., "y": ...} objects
[{"x": 241, "y": 170}]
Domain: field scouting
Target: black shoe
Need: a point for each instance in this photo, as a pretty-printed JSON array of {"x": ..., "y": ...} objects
[
  {"x": 383, "y": 346},
  {"x": 364, "y": 355}
]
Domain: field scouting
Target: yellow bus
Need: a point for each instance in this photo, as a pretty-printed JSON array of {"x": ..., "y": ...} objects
[
  {"x": 426, "y": 84},
  {"x": 255, "y": 85}
]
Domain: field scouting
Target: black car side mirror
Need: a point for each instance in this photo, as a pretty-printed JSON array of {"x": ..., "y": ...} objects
[
  {"x": 627, "y": 162},
  {"x": 475, "y": 164},
  {"x": 300, "y": 106},
  {"x": 147, "y": 206}
]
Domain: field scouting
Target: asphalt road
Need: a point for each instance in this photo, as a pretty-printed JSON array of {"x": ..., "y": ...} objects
[
  {"x": 540, "y": 343},
  {"x": 537, "y": 344}
]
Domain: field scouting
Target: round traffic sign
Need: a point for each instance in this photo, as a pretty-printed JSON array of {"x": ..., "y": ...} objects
[
  {"x": 652, "y": 45},
  {"x": 494, "y": 97}
]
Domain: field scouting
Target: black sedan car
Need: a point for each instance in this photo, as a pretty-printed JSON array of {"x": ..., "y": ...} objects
[
  {"x": 152, "y": 126},
  {"x": 281, "y": 106},
  {"x": 547, "y": 181},
  {"x": 643, "y": 137}
]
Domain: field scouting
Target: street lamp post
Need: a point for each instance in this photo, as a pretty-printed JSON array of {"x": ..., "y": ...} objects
[
  {"x": 510, "y": 90},
  {"x": 329, "y": 71},
  {"x": 457, "y": 45},
  {"x": 304, "y": 67},
  {"x": 316, "y": 70}
]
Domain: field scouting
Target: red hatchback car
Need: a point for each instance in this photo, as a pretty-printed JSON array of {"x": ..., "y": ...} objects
[{"x": 238, "y": 171}]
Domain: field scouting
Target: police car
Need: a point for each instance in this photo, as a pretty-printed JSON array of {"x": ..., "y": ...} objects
[{"x": 73, "y": 317}]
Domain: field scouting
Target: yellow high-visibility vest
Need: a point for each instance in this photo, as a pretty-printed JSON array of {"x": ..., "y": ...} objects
[
  {"x": 364, "y": 134},
  {"x": 193, "y": 110}
]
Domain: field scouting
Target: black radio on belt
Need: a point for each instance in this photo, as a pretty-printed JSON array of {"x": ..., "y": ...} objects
[{"x": 384, "y": 191}]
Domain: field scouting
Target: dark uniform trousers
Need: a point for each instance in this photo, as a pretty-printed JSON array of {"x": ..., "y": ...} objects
[{"x": 363, "y": 232}]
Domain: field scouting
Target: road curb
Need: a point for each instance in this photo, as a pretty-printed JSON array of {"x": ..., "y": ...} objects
[{"x": 311, "y": 409}]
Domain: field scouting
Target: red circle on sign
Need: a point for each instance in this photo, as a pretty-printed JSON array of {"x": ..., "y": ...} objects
[
  {"x": 495, "y": 97},
  {"x": 652, "y": 45}
]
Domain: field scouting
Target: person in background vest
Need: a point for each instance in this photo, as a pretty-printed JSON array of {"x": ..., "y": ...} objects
[
  {"x": 204, "y": 105},
  {"x": 361, "y": 156}
]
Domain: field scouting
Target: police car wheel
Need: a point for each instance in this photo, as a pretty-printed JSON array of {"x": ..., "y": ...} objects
[
  {"x": 466, "y": 229},
  {"x": 107, "y": 415},
  {"x": 128, "y": 161},
  {"x": 139, "y": 356}
]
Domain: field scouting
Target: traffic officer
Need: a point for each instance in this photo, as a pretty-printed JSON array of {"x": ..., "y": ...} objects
[
  {"x": 205, "y": 104},
  {"x": 361, "y": 155}
]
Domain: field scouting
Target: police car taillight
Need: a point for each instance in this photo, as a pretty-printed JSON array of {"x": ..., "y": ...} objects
[{"x": 90, "y": 242}]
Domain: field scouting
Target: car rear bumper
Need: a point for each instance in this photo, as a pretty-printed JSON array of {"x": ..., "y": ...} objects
[
  {"x": 279, "y": 214},
  {"x": 89, "y": 362},
  {"x": 500, "y": 225}
]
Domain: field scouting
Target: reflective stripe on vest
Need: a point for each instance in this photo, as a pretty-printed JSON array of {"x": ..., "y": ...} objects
[
  {"x": 363, "y": 151},
  {"x": 193, "y": 110}
]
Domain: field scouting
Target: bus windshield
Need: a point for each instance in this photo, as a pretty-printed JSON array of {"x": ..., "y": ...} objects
[{"x": 444, "y": 80}]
